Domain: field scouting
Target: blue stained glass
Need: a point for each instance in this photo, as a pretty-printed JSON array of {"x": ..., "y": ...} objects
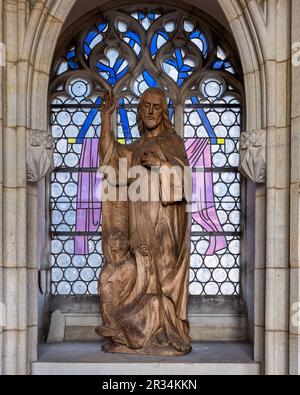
[
  {"x": 90, "y": 37},
  {"x": 91, "y": 41},
  {"x": 125, "y": 123},
  {"x": 115, "y": 73},
  {"x": 73, "y": 65},
  {"x": 90, "y": 118},
  {"x": 87, "y": 49},
  {"x": 218, "y": 65},
  {"x": 222, "y": 62},
  {"x": 150, "y": 80},
  {"x": 171, "y": 108},
  {"x": 178, "y": 64},
  {"x": 152, "y": 16},
  {"x": 71, "y": 59},
  {"x": 71, "y": 54},
  {"x": 133, "y": 36},
  {"x": 225, "y": 65},
  {"x": 145, "y": 19},
  {"x": 133, "y": 40},
  {"x": 94, "y": 37},
  {"x": 158, "y": 40},
  {"x": 205, "y": 120},
  {"x": 143, "y": 82},
  {"x": 230, "y": 68},
  {"x": 197, "y": 35},
  {"x": 103, "y": 27}
]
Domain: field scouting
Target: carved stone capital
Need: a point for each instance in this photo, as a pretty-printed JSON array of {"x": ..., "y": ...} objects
[
  {"x": 253, "y": 155},
  {"x": 39, "y": 155},
  {"x": 40, "y": 139}
]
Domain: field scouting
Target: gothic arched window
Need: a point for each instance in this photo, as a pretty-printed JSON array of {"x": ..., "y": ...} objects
[{"x": 127, "y": 51}]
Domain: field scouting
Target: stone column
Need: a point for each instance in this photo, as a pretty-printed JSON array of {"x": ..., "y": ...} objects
[
  {"x": 294, "y": 360},
  {"x": 14, "y": 192},
  {"x": 30, "y": 31},
  {"x": 278, "y": 180},
  {"x": 30, "y": 40},
  {"x": 262, "y": 33},
  {"x": 32, "y": 275},
  {"x": 247, "y": 21},
  {"x": 260, "y": 274},
  {"x": 42, "y": 32},
  {"x": 2, "y": 63}
]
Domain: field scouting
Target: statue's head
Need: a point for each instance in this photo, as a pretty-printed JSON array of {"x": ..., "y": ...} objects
[
  {"x": 153, "y": 111},
  {"x": 119, "y": 245}
]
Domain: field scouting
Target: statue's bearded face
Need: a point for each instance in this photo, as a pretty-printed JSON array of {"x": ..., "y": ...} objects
[{"x": 152, "y": 111}]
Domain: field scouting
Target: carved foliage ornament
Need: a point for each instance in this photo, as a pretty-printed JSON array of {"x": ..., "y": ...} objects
[
  {"x": 39, "y": 155},
  {"x": 252, "y": 155}
]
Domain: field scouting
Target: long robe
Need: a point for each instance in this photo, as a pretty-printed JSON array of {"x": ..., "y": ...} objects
[{"x": 163, "y": 226}]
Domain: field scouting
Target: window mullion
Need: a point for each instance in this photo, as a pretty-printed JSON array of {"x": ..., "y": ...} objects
[{"x": 179, "y": 119}]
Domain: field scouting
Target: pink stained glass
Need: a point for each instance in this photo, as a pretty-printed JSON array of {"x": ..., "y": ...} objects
[
  {"x": 204, "y": 209},
  {"x": 88, "y": 207}
]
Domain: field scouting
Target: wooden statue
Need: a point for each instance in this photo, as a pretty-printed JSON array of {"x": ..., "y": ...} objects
[{"x": 143, "y": 284}]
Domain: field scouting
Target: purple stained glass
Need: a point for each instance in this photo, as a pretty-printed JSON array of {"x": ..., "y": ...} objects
[
  {"x": 204, "y": 210},
  {"x": 88, "y": 207}
]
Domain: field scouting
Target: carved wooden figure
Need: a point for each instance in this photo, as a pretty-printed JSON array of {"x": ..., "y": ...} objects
[{"x": 143, "y": 285}]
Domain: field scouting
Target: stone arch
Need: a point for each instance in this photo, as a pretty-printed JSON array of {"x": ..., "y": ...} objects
[
  {"x": 249, "y": 30},
  {"x": 38, "y": 36},
  {"x": 44, "y": 28}
]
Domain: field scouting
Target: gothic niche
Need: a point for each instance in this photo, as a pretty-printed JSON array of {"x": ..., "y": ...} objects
[{"x": 191, "y": 65}]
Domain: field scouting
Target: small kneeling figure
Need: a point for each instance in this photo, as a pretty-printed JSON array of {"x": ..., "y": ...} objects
[{"x": 124, "y": 300}]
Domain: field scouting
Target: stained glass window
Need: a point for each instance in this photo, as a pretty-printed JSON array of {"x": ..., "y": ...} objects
[
  {"x": 211, "y": 132},
  {"x": 128, "y": 51}
]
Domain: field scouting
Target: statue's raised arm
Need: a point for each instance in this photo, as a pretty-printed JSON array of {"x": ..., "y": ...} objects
[
  {"x": 149, "y": 208},
  {"x": 107, "y": 109}
]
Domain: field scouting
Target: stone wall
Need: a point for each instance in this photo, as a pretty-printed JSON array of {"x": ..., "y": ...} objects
[
  {"x": 264, "y": 32},
  {"x": 294, "y": 355}
]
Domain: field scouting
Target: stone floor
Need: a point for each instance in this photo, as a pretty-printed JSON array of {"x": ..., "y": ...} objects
[{"x": 88, "y": 358}]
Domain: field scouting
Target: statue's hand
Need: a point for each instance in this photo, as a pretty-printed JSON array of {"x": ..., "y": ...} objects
[
  {"x": 108, "y": 104},
  {"x": 144, "y": 251},
  {"x": 151, "y": 159}
]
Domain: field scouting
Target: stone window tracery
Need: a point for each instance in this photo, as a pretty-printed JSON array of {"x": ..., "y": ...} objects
[{"x": 127, "y": 51}]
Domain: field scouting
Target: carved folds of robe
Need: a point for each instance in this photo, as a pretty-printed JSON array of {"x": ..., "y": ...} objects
[{"x": 163, "y": 226}]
